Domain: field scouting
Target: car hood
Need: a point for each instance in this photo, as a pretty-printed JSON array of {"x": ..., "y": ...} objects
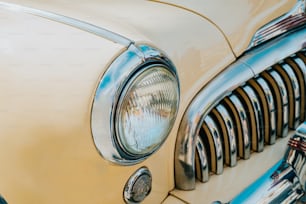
[
  {"x": 237, "y": 19},
  {"x": 49, "y": 74},
  {"x": 129, "y": 17}
]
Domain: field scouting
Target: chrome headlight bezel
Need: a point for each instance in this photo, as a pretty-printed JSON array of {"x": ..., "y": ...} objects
[{"x": 133, "y": 61}]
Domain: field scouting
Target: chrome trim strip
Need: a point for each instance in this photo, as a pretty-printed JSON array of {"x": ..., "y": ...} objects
[
  {"x": 285, "y": 182},
  {"x": 101, "y": 32},
  {"x": 133, "y": 60},
  {"x": 248, "y": 66},
  {"x": 294, "y": 18},
  {"x": 296, "y": 155},
  {"x": 203, "y": 167},
  {"x": 215, "y": 143},
  {"x": 277, "y": 185},
  {"x": 229, "y": 137},
  {"x": 269, "y": 53}
]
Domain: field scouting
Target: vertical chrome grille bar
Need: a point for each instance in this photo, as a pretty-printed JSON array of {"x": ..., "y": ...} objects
[
  {"x": 242, "y": 126},
  {"x": 281, "y": 97},
  {"x": 255, "y": 115},
  {"x": 298, "y": 67},
  {"x": 228, "y": 135},
  {"x": 202, "y": 167},
  {"x": 300, "y": 60},
  {"x": 293, "y": 90},
  {"x": 268, "y": 106},
  {"x": 213, "y": 136}
]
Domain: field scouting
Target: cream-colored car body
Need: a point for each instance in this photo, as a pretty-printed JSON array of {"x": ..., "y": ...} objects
[{"x": 50, "y": 71}]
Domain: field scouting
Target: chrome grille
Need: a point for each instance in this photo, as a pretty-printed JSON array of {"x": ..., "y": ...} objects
[
  {"x": 251, "y": 116},
  {"x": 257, "y": 99}
]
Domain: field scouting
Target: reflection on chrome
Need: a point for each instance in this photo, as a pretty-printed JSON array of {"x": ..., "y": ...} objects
[
  {"x": 202, "y": 165},
  {"x": 254, "y": 64},
  {"x": 269, "y": 112},
  {"x": 291, "y": 20},
  {"x": 255, "y": 115},
  {"x": 228, "y": 135},
  {"x": 281, "y": 96},
  {"x": 293, "y": 88},
  {"x": 215, "y": 145},
  {"x": 286, "y": 181},
  {"x": 243, "y": 130}
]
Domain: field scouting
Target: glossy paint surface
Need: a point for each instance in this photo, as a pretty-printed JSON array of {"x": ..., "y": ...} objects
[
  {"x": 47, "y": 153},
  {"x": 238, "y": 19},
  {"x": 49, "y": 75}
]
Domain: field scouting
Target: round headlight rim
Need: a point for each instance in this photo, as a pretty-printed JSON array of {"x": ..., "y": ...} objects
[
  {"x": 125, "y": 65},
  {"x": 124, "y": 89}
]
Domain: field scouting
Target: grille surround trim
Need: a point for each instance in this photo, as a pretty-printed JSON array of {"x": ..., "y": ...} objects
[{"x": 247, "y": 67}]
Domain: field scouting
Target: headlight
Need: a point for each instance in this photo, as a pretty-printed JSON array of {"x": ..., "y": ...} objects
[
  {"x": 135, "y": 105},
  {"x": 146, "y": 110}
]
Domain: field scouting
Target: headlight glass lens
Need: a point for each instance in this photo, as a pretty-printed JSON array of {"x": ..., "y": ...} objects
[{"x": 146, "y": 110}]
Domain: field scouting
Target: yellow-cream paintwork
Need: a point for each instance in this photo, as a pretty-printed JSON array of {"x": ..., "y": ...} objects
[
  {"x": 173, "y": 200},
  {"x": 49, "y": 72},
  {"x": 238, "y": 19}
]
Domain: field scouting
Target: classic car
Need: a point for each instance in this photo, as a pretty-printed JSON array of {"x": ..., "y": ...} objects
[{"x": 159, "y": 101}]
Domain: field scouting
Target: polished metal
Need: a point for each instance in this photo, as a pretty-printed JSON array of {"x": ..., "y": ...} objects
[
  {"x": 293, "y": 90},
  {"x": 101, "y": 32},
  {"x": 228, "y": 135},
  {"x": 255, "y": 115},
  {"x": 268, "y": 106},
  {"x": 202, "y": 167},
  {"x": 293, "y": 19},
  {"x": 281, "y": 94},
  {"x": 212, "y": 133},
  {"x": 242, "y": 126},
  {"x": 296, "y": 154},
  {"x": 301, "y": 83},
  {"x": 300, "y": 59},
  {"x": 246, "y": 67},
  {"x": 281, "y": 100},
  {"x": 133, "y": 60},
  {"x": 300, "y": 68},
  {"x": 138, "y": 187},
  {"x": 193, "y": 119},
  {"x": 285, "y": 182}
]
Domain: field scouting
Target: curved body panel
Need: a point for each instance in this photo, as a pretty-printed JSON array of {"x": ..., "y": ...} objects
[
  {"x": 49, "y": 75},
  {"x": 237, "y": 19},
  {"x": 53, "y": 56}
]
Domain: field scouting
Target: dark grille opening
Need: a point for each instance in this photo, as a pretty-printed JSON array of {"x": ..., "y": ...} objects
[{"x": 252, "y": 116}]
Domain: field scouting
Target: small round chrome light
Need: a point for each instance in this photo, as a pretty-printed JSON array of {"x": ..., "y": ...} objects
[
  {"x": 138, "y": 186},
  {"x": 147, "y": 110}
]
